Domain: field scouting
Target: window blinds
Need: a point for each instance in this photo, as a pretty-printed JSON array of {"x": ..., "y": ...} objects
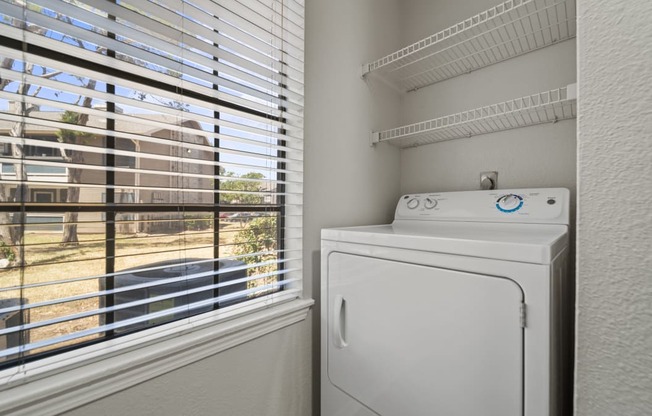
[{"x": 150, "y": 164}]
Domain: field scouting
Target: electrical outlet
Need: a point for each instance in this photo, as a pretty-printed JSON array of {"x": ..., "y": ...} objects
[{"x": 488, "y": 180}]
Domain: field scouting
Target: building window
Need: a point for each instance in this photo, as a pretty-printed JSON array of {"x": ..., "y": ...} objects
[
  {"x": 45, "y": 196},
  {"x": 42, "y": 151},
  {"x": 151, "y": 166}
]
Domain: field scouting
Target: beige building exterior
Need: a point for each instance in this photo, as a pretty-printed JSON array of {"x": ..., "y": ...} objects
[{"x": 160, "y": 168}]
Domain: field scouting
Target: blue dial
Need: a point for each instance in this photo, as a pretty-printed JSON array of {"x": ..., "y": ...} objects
[{"x": 509, "y": 203}]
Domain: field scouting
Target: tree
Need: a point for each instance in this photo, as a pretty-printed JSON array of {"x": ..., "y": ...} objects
[
  {"x": 11, "y": 235},
  {"x": 241, "y": 187},
  {"x": 10, "y": 232},
  {"x": 74, "y": 157},
  {"x": 256, "y": 241},
  {"x": 10, "y": 225}
]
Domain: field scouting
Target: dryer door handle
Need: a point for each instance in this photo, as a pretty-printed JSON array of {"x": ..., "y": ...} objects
[{"x": 339, "y": 322}]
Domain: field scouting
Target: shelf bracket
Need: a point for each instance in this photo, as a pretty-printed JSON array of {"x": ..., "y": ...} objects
[
  {"x": 365, "y": 70},
  {"x": 374, "y": 138}
]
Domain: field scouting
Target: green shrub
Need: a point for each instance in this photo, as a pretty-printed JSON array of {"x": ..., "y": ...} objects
[
  {"x": 259, "y": 235},
  {"x": 7, "y": 252}
]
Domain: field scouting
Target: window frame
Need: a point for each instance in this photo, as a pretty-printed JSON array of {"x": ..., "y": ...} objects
[{"x": 110, "y": 208}]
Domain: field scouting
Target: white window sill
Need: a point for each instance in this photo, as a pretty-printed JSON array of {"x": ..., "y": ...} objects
[{"x": 74, "y": 379}]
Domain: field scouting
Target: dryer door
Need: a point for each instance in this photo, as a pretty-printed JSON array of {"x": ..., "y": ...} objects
[{"x": 406, "y": 339}]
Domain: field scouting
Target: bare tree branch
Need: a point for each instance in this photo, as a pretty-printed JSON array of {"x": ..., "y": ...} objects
[
  {"x": 50, "y": 75},
  {"x": 7, "y": 63}
]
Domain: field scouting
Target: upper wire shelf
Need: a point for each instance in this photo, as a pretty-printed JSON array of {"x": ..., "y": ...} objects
[
  {"x": 507, "y": 30},
  {"x": 544, "y": 107}
]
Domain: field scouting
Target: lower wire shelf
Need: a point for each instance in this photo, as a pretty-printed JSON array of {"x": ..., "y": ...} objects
[{"x": 543, "y": 107}]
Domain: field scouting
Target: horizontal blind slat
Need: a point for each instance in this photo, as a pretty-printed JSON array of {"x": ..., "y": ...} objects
[
  {"x": 120, "y": 324},
  {"x": 244, "y": 23},
  {"x": 271, "y": 125},
  {"x": 136, "y": 86},
  {"x": 146, "y": 302},
  {"x": 152, "y": 123},
  {"x": 130, "y": 68},
  {"x": 181, "y": 148},
  {"x": 155, "y": 283},
  {"x": 256, "y": 39},
  {"x": 162, "y": 45},
  {"x": 64, "y": 165},
  {"x": 150, "y": 269}
]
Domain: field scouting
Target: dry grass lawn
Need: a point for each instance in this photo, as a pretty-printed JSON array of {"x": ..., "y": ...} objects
[{"x": 47, "y": 261}]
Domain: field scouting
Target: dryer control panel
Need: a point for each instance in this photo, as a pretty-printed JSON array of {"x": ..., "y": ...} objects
[{"x": 538, "y": 206}]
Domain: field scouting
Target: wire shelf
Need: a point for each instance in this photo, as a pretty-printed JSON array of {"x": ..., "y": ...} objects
[
  {"x": 544, "y": 107},
  {"x": 507, "y": 30}
]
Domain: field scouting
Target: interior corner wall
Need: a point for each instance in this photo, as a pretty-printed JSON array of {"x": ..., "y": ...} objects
[
  {"x": 530, "y": 157},
  {"x": 346, "y": 181},
  {"x": 614, "y": 236}
]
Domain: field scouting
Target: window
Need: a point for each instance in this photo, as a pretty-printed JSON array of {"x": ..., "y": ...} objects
[
  {"x": 43, "y": 195},
  {"x": 42, "y": 151},
  {"x": 151, "y": 165}
]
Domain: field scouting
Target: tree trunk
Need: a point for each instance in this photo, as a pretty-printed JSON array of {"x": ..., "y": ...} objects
[
  {"x": 21, "y": 195},
  {"x": 70, "y": 218},
  {"x": 12, "y": 227},
  {"x": 74, "y": 176},
  {"x": 8, "y": 236},
  {"x": 6, "y": 64}
]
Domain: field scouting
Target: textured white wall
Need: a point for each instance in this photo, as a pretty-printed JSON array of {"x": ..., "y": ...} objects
[
  {"x": 347, "y": 182},
  {"x": 614, "y": 237}
]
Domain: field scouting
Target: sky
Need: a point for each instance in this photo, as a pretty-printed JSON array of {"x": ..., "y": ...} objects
[{"x": 140, "y": 98}]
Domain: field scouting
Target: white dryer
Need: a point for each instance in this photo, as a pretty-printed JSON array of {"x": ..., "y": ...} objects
[{"x": 460, "y": 307}]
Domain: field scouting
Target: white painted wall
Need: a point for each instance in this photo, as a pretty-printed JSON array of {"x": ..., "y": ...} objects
[
  {"x": 540, "y": 156},
  {"x": 614, "y": 236},
  {"x": 347, "y": 182},
  {"x": 268, "y": 376}
]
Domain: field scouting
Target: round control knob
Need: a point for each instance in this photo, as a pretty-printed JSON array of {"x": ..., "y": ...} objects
[
  {"x": 430, "y": 203},
  {"x": 413, "y": 203},
  {"x": 509, "y": 203}
]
